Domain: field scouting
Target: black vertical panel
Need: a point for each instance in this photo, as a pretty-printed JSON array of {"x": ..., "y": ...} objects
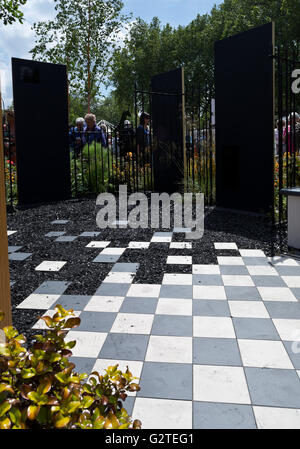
[
  {"x": 41, "y": 114},
  {"x": 245, "y": 120},
  {"x": 168, "y": 131}
]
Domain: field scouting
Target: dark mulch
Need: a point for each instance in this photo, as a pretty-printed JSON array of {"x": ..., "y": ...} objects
[{"x": 246, "y": 230}]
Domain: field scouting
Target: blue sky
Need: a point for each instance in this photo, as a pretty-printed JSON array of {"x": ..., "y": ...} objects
[{"x": 16, "y": 40}]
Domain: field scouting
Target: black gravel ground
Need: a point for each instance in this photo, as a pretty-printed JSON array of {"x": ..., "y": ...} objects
[{"x": 247, "y": 231}]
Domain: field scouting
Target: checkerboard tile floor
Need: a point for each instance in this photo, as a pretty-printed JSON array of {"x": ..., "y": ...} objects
[{"x": 213, "y": 348}]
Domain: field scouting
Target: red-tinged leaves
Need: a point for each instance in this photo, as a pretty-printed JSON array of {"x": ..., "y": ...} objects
[
  {"x": 104, "y": 400},
  {"x": 6, "y": 387},
  {"x": 134, "y": 387},
  {"x": 71, "y": 323},
  {"x": 48, "y": 320},
  {"x": 111, "y": 422},
  {"x": 137, "y": 424},
  {"x": 24, "y": 390},
  {"x": 33, "y": 411},
  {"x": 45, "y": 385}
]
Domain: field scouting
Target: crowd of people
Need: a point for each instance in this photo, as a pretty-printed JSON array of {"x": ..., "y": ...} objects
[
  {"x": 123, "y": 140},
  {"x": 287, "y": 134}
]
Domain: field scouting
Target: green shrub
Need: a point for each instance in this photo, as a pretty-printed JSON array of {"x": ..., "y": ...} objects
[{"x": 40, "y": 390}]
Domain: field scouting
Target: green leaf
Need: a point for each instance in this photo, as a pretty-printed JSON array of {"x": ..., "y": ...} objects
[
  {"x": 87, "y": 401},
  {"x": 27, "y": 373},
  {"x": 10, "y": 332},
  {"x": 72, "y": 322},
  {"x": 61, "y": 421},
  {"x": 33, "y": 411},
  {"x": 15, "y": 415},
  {"x": 4, "y": 407},
  {"x": 5, "y": 423}
]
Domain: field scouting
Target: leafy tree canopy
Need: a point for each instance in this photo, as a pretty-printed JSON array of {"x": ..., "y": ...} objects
[{"x": 10, "y": 11}]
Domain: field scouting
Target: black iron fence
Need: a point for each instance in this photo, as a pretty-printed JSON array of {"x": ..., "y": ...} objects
[{"x": 287, "y": 127}]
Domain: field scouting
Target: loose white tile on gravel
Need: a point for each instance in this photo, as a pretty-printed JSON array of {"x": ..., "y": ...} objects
[
  {"x": 277, "y": 418},
  {"x": 180, "y": 245},
  {"x": 252, "y": 253},
  {"x": 119, "y": 277},
  {"x": 224, "y": 245},
  {"x": 163, "y": 413},
  {"x": 48, "y": 265},
  {"x": 38, "y": 301},
  {"x": 181, "y": 260},
  {"x": 206, "y": 269},
  {"x": 228, "y": 260},
  {"x": 220, "y": 384},
  {"x": 177, "y": 279},
  {"x": 11, "y": 233},
  {"x": 113, "y": 251},
  {"x": 40, "y": 324},
  {"x": 96, "y": 244},
  {"x": 139, "y": 245}
]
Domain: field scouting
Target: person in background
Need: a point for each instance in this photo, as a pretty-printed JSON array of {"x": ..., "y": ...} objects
[
  {"x": 76, "y": 137},
  {"x": 92, "y": 132},
  {"x": 292, "y": 130},
  {"x": 143, "y": 134},
  {"x": 276, "y": 135}
]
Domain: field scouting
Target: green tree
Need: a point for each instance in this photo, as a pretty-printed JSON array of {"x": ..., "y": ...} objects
[
  {"x": 10, "y": 11},
  {"x": 83, "y": 36}
]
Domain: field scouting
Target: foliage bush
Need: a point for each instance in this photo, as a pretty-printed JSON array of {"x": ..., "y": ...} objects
[{"x": 40, "y": 390}]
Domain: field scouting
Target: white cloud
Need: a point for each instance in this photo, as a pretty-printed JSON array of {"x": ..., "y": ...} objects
[{"x": 18, "y": 39}]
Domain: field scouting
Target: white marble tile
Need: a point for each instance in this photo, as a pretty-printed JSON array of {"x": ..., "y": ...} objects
[
  {"x": 237, "y": 280},
  {"x": 248, "y": 309},
  {"x": 166, "y": 306},
  {"x": 169, "y": 349},
  {"x": 264, "y": 354},
  {"x": 88, "y": 344},
  {"x": 181, "y": 245},
  {"x": 213, "y": 327},
  {"x": 261, "y": 270},
  {"x": 163, "y": 413},
  {"x": 252, "y": 253},
  {"x": 177, "y": 279},
  {"x": 104, "y": 304},
  {"x": 132, "y": 323},
  {"x": 48, "y": 265},
  {"x": 206, "y": 269},
  {"x": 98, "y": 244},
  {"x": 119, "y": 277},
  {"x": 276, "y": 294},
  {"x": 279, "y": 261},
  {"x": 113, "y": 251},
  {"x": 180, "y": 260},
  {"x": 288, "y": 329},
  {"x": 144, "y": 290},
  {"x": 224, "y": 245},
  {"x": 209, "y": 292},
  {"x": 226, "y": 384},
  {"x": 38, "y": 301},
  {"x": 228, "y": 260},
  {"x": 139, "y": 245},
  {"x": 292, "y": 281},
  {"x": 277, "y": 418}
]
